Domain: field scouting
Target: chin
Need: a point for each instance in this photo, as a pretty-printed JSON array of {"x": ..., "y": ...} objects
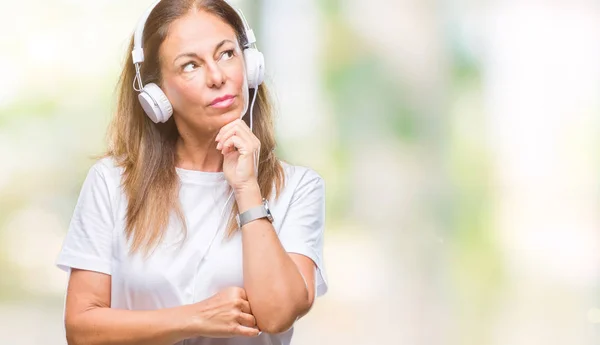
[
  {"x": 230, "y": 115},
  {"x": 235, "y": 111}
]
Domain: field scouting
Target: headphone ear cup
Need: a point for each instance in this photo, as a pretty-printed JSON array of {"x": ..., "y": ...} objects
[
  {"x": 155, "y": 103},
  {"x": 255, "y": 67}
]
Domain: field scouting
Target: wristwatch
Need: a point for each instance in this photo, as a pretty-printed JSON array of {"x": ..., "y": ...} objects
[{"x": 255, "y": 213}]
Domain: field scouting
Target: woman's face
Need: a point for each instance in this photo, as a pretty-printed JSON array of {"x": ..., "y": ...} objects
[{"x": 203, "y": 74}]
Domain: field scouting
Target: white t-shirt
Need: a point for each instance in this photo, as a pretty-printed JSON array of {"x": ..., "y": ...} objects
[{"x": 177, "y": 274}]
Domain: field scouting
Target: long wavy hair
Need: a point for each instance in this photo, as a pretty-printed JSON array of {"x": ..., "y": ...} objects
[{"x": 146, "y": 151}]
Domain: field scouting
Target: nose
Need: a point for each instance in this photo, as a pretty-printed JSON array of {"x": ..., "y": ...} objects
[{"x": 215, "y": 77}]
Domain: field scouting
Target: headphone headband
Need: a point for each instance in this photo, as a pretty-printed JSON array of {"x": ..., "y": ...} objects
[{"x": 138, "y": 50}]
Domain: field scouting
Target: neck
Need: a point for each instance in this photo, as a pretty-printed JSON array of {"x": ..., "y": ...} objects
[{"x": 198, "y": 152}]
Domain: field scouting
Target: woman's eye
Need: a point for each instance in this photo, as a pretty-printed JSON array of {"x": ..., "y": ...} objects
[
  {"x": 228, "y": 54},
  {"x": 189, "y": 67}
]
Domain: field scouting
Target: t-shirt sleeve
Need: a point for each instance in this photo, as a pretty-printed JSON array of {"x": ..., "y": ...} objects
[
  {"x": 303, "y": 227},
  {"x": 88, "y": 243}
]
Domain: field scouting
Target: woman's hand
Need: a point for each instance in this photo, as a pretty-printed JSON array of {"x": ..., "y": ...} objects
[
  {"x": 226, "y": 314},
  {"x": 241, "y": 149}
]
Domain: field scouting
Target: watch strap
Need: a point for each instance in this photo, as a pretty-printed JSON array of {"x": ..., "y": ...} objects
[{"x": 251, "y": 214}]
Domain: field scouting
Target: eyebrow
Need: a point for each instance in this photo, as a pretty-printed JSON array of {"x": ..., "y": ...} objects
[{"x": 194, "y": 55}]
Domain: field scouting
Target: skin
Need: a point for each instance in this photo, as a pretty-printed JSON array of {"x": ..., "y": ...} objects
[{"x": 279, "y": 287}]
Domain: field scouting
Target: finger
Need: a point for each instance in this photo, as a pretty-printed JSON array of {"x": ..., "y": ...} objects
[
  {"x": 238, "y": 143},
  {"x": 227, "y": 128},
  {"x": 238, "y": 128},
  {"x": 253, "y": 144},
  {"x": 247, "y": 331},
  {"x": 226, "y": 135},
  {"x": 245, "y": 307},
  {"x": 247, "y": 320},
  {"x": 242, "y": 293},
  {"x": 238, "y": 292},
  {"x": 228, "y": 146},
  {"x": 243, "y": 126},
  {"x": 245, "y": 131}
]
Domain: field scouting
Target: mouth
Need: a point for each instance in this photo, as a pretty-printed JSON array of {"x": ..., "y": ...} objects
[{"x": 222, "y": 102}]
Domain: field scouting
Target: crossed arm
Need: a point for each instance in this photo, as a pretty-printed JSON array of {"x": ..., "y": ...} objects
[{"x": 279, "y": 289}]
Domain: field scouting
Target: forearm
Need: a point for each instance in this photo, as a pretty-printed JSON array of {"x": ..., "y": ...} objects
[
  {"x": 276, "y": 290},
  {"x": 99, "y": 326}
]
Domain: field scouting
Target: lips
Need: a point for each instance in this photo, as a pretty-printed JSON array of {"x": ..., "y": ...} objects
[{"x": 222, "y": 102}]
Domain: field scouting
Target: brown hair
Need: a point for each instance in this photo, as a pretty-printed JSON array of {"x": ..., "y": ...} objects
[{"x": 146, "y": 151}]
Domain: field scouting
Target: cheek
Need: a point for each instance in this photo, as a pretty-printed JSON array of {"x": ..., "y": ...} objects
[
  {"x": 182, "y": 93},
  {"x": 238, "y": 79},
  {"x": 235, "y": 74}
]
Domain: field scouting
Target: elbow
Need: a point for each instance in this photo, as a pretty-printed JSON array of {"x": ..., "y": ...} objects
[
  {"x": 276, "y": 319},
  {"x": 73, "y": 332},
  {"x": 73, "y": 340},
  {"x": 276, "y": 325},
  {"x": 279, "y": 313},
  {"x": 73, "y": 337},
  {"x": 282, "y": 319}
]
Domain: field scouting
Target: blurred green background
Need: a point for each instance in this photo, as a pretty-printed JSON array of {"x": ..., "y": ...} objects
[{"x": 458, "y": 140}]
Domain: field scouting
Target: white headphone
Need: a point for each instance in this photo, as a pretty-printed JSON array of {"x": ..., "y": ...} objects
[{"x": 153, "y": 99}]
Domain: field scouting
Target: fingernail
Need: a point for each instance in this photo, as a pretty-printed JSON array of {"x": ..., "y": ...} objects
[{"x": 218, "y": 146}]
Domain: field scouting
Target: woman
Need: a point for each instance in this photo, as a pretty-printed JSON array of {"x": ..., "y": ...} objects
[{"x": 152, "y": 255}]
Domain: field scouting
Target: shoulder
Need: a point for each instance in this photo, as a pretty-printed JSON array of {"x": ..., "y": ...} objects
[
  {"x": 107, "y": 169},
  {"x": 105, "y": 175},
  {"x": 107, "y": 165},
  {"x": 300, "y": 180},
  {"x": 300, "y": 173}
]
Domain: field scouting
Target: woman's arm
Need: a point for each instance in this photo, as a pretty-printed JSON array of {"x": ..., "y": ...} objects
[
  {"x": 89, "y": 319},
  {"x": 280, "y": 286}
]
